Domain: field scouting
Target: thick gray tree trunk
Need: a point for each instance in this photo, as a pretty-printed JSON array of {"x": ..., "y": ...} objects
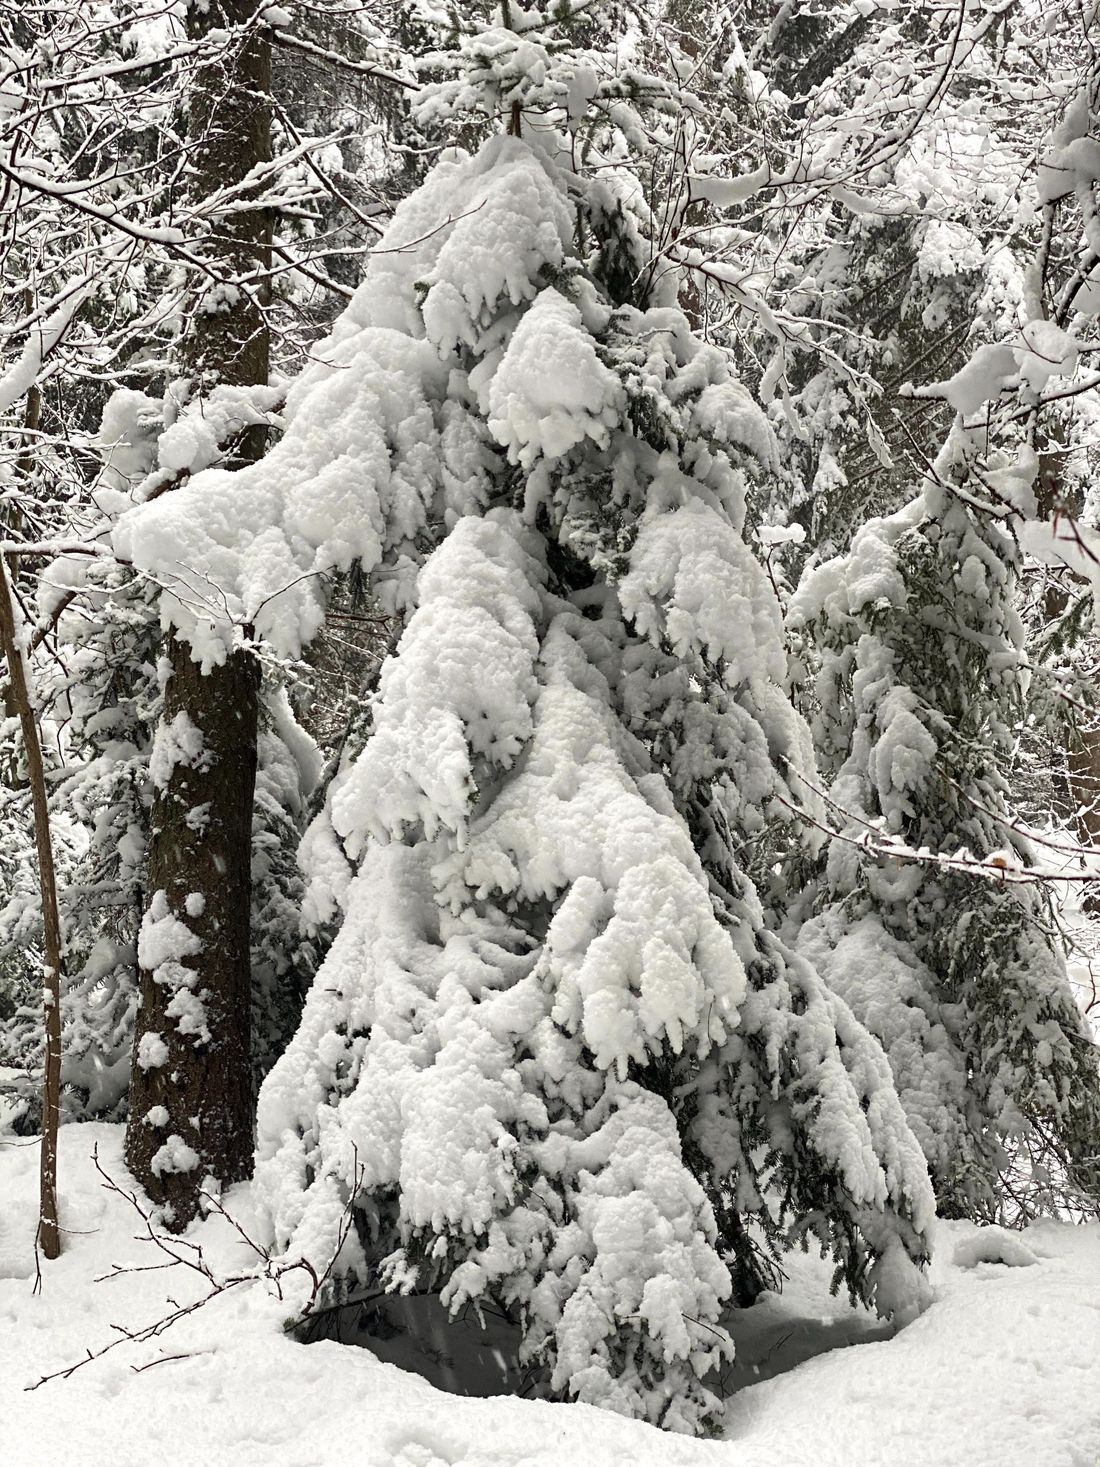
[{"x": 191, "y": 1110}]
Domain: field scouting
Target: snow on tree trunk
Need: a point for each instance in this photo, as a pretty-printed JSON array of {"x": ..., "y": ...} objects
[
  {"x": 191, "y": 1084},
  {"x": 191, "y": 1098}
]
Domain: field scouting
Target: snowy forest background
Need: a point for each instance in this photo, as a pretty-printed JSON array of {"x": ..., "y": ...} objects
[{"x": 548, "y": 598}]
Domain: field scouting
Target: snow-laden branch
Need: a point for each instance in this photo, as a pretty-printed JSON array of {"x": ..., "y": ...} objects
[{"x": 1004, "y": 866}]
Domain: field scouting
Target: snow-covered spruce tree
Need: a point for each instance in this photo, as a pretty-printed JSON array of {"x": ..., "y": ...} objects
[
  {"x": 22, "y": 1036},
  {"x": 554, "y": 1058},
  {"x": 102, "y": 680},
  {"x": 922, "y": 675},
  {"x": 1066, "y": 276},
  {"x": 108, "y": 648}
]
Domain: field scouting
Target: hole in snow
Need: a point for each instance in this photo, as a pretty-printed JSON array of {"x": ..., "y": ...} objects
[
  {"x": 771, "y": 1338},
  {"x": 468, "y": 1357},
  {"x": 464, "y": 1356}
]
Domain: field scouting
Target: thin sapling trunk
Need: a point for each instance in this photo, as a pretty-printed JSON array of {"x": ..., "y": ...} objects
[{"x": 13, "y": 638}]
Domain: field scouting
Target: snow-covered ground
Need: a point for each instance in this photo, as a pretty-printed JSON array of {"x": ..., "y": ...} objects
[{"x": 1002, "y": 1371}]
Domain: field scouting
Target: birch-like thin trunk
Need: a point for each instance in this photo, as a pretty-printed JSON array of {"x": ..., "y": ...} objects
[
  {"x": 13, "y": 641},
  {"x": 24, "y": 467}
]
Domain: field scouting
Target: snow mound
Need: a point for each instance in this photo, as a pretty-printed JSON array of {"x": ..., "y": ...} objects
[{"x": 993, "y": 1245}]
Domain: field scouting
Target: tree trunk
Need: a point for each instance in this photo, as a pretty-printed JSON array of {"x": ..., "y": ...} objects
[
  {"x": 13, "y": 641},
  {"x": 191, "y": 1112},
  {"x": 191, "y": 1087},
  {"x": 1083, "y": 769},
  {"x": 24, "y": 466},
  {"x": 1082, "y": 774}
]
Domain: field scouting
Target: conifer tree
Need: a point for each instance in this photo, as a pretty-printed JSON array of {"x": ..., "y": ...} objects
[
  {"x": 869, "y": 220},
  {"x": 555, "y": 1058},
  {"x": 922, "y": 679}
]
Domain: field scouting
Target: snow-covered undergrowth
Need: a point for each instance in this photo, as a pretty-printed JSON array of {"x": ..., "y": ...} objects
[{"x": 1003, "y": 1370}]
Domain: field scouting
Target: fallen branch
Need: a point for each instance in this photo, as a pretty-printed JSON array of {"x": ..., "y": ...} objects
[{"x": 181, "y": 1252}]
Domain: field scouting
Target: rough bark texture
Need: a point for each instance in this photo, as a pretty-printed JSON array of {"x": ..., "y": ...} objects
[
  {"x": 13, "y": 644},
  {"x": 201, "y": 861},
  {"x": 205, "y": 1086}
]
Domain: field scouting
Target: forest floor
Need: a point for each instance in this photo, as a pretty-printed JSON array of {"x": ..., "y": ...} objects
[{"x": 1003, "y": 1370}]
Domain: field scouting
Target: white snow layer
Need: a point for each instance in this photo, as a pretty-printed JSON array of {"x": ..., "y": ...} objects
[
  {"x": 1003, "y": 1370},
  {"x": 1044, "y": 351},
  {"x": 881, "y": 982},
  {"x": 551, "y": 389},
  {"x": 372, "y": 428}
]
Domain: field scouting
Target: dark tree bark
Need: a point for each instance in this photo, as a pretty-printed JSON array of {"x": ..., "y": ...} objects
[
  {"x": 203, "y": 1082},
  {"x": 1083, "y": 762},
  {"x": 191, "y": 1109}
]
